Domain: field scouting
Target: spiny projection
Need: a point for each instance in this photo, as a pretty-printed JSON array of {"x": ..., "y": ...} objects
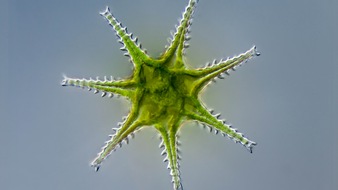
[{"x": 163, "y": 92}]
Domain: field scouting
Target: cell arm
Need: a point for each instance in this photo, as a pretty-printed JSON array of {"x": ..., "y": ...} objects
[
  {"x": 208, "y": 74},
  {"x": 205, "y": 117},
  {"x": 121, "y": 134},
  {"x": 131, "y": 45},
  {"x": 122, "y": 87},
  {"x": 180, "y": 37}
]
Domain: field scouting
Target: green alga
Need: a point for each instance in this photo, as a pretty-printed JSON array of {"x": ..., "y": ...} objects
[{"x": 163, "y": 92}]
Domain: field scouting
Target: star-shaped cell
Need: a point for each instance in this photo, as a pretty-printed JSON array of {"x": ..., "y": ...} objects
[{"x": 163, "y": 92}]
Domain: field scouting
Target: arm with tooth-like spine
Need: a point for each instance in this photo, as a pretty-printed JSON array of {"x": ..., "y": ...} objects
[
  {"x": 208, "y": 74},
  {"x": 170, "y": 144},
  {"x": 204, "y": 116},
  {"x": 130, "y": 44},
  {"x": 122, "y": 88},
  {"x": 178, "y": 43},
  {"x": 127, "y": 129}
]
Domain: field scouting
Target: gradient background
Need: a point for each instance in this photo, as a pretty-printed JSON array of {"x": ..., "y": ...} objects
[{"x": 285, "y": 100}]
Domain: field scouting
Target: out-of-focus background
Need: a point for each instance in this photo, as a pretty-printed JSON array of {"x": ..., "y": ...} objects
[{"x": 286, "y": 100}]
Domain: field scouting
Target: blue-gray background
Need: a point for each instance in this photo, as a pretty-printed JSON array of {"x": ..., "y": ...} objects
[{"x": 286, "y": 99}]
